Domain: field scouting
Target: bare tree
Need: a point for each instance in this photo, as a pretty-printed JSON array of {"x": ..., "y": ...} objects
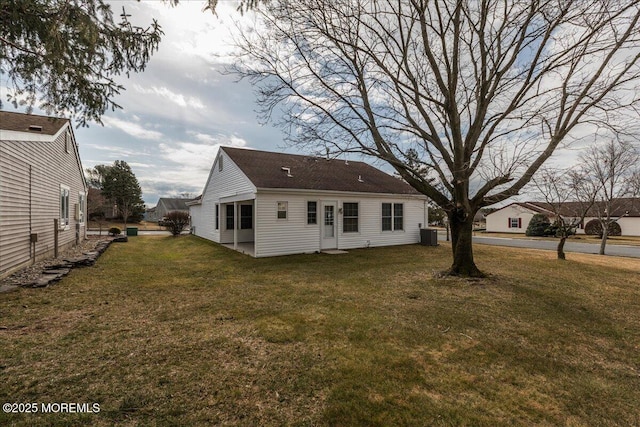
[
  {"x": 613, "y": 165},
  {"x": 569, "y": 194},
  {"x": 483, "y": 91}
]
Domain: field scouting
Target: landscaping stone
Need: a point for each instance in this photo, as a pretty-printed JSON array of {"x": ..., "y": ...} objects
[{"x": 49, "y": 271}]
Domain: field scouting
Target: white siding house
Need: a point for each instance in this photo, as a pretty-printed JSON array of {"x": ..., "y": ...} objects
[
  {"x": 514, "y": 218},
  {"x": 269, "y": 204},
  {"x": 43, "y": 192}
]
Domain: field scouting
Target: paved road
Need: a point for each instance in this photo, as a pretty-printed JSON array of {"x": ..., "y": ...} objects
[{"x": 585, "y": 248}]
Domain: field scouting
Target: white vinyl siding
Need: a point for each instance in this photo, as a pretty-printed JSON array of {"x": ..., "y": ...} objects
[
  {"x": 510, "y": 219},
  {"x": 223, "y": 182},
  {"x": 277, "y": 237}
]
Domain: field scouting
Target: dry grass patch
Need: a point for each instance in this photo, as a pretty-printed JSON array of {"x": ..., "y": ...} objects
[{"x": 180, "y": 331}]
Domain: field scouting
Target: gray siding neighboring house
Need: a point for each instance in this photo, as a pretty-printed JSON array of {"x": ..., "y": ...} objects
[
  {"x": 269, "y": 204},
  {"x": 166, "y": 205},
  {"x": 41, "y": 180}
]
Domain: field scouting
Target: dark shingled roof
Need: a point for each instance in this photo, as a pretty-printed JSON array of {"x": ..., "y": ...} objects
[
  {"x": 174, "y": 204},
  {"x": 20, "y": 122},
  {"x": 624, "y": 206},
  {"x": 265, "y": 170}
]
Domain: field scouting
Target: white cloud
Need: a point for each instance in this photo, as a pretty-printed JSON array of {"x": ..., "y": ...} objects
[
  {"x": 131, "y": 128},
  {"x": 177, "y": 98}
]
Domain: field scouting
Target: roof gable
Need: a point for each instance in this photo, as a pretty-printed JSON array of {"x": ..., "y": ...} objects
[
  {"x": 30, "y": 123},
  {"x": 290, "y": 171}
]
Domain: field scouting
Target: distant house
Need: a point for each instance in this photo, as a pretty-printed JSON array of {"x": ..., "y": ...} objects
[
  {"x": 43, "y": 192},
  {"x": 514, "y": 218},
  {"x": 268, "y": 204},
  {"x": 166, "y": 205},
  {"x": 150, "y": 214}
]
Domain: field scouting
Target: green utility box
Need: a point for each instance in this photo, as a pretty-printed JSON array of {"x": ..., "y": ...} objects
[{"x": 132, "y": 231}]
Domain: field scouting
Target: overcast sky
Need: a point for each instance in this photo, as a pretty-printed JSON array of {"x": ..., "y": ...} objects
[{"x": 178, "y": 111}]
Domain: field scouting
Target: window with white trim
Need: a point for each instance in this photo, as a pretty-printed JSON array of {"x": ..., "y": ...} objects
[
  {"x": 515, "y": 222},
  {"x": 312, "y": 212},
  {"x": 392, "y": 217},
  {"x": 64, "y": 207},
  {"x": 282, "y": 210},
  {"x": 350, "y": 217},
  {"x": 82, "y": 206}
]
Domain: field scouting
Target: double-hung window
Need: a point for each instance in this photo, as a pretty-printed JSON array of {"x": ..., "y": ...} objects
[
  {"x": 312, "y": 212},
  {"x": 349, "y": 217},
  {"x": 282, "y": 210},
  {"x": 392, "y": 216},
  {"x": 515, "y": 222},
  {"x": 217, "y": 216}
]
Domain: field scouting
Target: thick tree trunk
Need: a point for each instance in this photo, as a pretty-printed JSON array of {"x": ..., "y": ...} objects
[
  {"x": 560, "y": 249},
  {"x": 462, "y": 246}
]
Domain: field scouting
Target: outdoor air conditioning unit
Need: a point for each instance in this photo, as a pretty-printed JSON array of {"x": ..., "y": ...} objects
[{"x": 428, "y": 237}]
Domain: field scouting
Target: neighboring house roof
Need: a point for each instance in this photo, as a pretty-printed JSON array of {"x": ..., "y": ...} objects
[
  {"x": 290, "y": 171},
  {"x": 176, "y": 204},
  {"x": 629, "y": 207},
  {"x": 196, "y": 201},
  {"x": 20, "y": 127},
  {"x": 41, "y": 125}
]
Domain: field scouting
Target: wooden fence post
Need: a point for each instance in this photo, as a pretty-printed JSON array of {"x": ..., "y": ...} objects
[{"x": 55, "y": 237}]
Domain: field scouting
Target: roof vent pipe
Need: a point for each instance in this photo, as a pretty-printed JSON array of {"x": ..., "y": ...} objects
[
  {"x": 288, "y": 171},
  {"x": 360, "y": 178}
]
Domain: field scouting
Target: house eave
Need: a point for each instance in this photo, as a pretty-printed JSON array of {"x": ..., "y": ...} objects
[{"x": 337, "y": 192}]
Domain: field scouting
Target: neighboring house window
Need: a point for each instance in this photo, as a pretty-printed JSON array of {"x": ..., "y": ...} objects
[
  {"x": 312, "y": 212},
  {"x": 220, "y": 164},
  {"x": 81, "y": 207},
  {"x": 349, "y": 217},
  {"x": 217, "y": 216},
  {"x": 230, "y": 215},
  {"x": 246, "y": 217},
  {"x": 515, "y": 222},
  {"x": 392, "y": 216},
  {"x": 282, "y": 210},
  {"x": 64, "y": 207}
]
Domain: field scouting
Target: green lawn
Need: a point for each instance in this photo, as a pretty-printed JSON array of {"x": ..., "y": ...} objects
[{"x": 179, "y": 331}]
